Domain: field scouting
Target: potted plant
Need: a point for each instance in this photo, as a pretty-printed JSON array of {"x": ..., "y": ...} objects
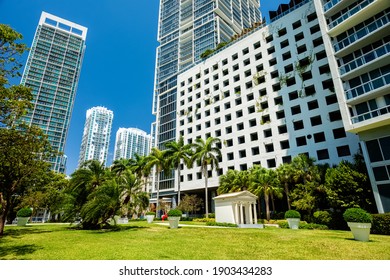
[
  {"x": 174, "y": 216},
  {"x": 293, "y": 218},
  {"x": 150, "y": 216},
  {"x": 359, "y": 221},
  {"x": 23, "y": 215}
]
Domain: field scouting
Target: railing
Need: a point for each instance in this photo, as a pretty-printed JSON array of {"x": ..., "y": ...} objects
[
  {"x": 330, "y": 4},
  {"x": 290, "y": 10},
  {"x": 348, "y": 14},
  {"x": 366, "y": 58},
  {"x": 379, "y": 23},
  {"x": 371, "y": 114},
  {"x": 368, "y": 86}
]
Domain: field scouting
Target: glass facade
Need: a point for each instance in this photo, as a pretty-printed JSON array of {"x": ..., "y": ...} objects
[
  {"x": 52, "y": 71},
  {"x": 131, "y": 141}
]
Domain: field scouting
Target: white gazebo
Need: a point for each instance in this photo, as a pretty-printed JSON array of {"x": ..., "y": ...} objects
[{"x": 237, "y": 208}]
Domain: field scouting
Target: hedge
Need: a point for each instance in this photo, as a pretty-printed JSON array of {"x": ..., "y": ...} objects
[{"x": 381, "y": 224}]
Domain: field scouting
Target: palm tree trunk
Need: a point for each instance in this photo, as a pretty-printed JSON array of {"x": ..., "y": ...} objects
[
  {"x": 178, "y": 185},
  {"x": 287, "y": 195},
  {"x": 266, "y": 198},
  {"x": 259, "y": 206},
  {"x": 273, "y": 202},
  {"x": 158, "y": 194},
  {"x": 206, "y": 193}
]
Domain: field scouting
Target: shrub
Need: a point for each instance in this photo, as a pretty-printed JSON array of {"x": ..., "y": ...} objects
[
  {"x": 312, "y": 226},
  {"x": 381, "y": 224},
  {"x": 322, "y": 217},
  {"x": 292, "y": 214},
  {"x": 221, "y": 224},
  {"x": 175, "y": 213},
  {"x": 206, "y": 53},
  {"x": 211, "y": 215},
  {"x": 150, "y": 213},
  {"x": 24, "y": 212},
  {"x": 357, "y": 215},
  {"x": 203, "y": 220}
]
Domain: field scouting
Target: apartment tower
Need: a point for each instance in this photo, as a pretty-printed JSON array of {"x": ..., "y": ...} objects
[
  {"x": 96, "y": 137},
  {"x": 53, "y": 71},
  {"x": 357, "y": 41},
  {"x": 131, "y": 141}
]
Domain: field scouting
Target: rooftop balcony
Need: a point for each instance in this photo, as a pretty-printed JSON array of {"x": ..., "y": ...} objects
[
  {"x": 368, "y": 90},
  {"x": 370, "y": 120}
]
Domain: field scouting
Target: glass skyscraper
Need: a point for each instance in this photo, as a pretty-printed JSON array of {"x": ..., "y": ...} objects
[
  {"x": 52, "y": 71},
  {"x": 131, "y": 141},
  {"x": 186, "y": 29},
  {"x": 96, "y": 135}
]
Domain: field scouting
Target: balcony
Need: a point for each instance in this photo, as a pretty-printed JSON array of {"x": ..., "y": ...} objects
[
  {"x": 349, "y": 14},
  {"x": 364, "y": 59},
  {"x": 368, "y": 86},
  {"x": 372, "y": 114},
  {"x": 367, "y": 30}
]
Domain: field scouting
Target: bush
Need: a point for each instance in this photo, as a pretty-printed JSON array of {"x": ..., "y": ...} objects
[
  {"x": 175, "y": 213},
  {"x": 221, "y": 224},
  {"x": 322, "y": 217},
  {"x": 381, "y": 224},
  {"x": 211, "y": 215},
  {"x": 203, "y": 220},
  {"x": 357, "y": 215},
  {"x": 150, "y": 213},
  {"x": 24, "y": 212},
  {"x": 292, "y": 214},
  {"x": 312, "y": 226}
]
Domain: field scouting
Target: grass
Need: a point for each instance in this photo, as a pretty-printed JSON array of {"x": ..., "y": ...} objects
[{"x": 142, "y": 241}]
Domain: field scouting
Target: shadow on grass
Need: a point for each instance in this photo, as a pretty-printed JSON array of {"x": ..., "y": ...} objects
[
  {"x": 110, "y": 229},
  {"x": 17, "y": 251},
  {"x": 18, "y": 232}
]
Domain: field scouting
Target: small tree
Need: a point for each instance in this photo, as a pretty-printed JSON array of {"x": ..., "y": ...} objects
[{"x": 190, "y": 203}]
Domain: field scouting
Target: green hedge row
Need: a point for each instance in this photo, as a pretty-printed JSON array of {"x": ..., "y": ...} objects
[{"x": 381, "y": 224}]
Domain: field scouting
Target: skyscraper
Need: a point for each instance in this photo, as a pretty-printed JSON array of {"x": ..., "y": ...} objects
[
  {"x": 356, "y": 36},
  {"x": 131, "y": 141},
  {"x": 52, "y": 71},
  {"x": 96, "y": 136},
  {"x": 186, "y": 29}
]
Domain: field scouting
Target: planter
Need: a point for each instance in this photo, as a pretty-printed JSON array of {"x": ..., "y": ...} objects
[
  {"x": 22, "y": 221},
  {"x": 293, "y": 223},
  {"x": 123, "y": 221},
  {"x": 360, "y": 231},
  {"x": 149, "y": 218},
  {"x": 174, "y": 221}
]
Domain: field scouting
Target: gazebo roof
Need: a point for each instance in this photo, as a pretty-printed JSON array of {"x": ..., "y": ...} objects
[{"x": 244, "y": 195}]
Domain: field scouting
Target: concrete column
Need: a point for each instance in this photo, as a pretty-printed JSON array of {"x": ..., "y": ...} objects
[
  {"x": 236, "y": 213},
  {"x": 241, "y": 213},
  {"x": 250, "y": 213},
  {"x": 255, "y": 212}
]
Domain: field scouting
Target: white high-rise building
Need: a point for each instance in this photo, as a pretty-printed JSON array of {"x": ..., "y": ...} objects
[
  {"x": 131, "y": 141},
  {"x": 52, "y": 72},
  {"x": 96, "y": 137},
  {"x": 357, "y": 41},
  {"x": 269, "y": 96}
]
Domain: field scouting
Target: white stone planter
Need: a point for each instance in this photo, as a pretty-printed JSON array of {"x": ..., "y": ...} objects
[
  {"x": 149, "y": 218},
  {"x": 123, "y": 221},
  {"x": 22, "y": 221},
  {"x": 293, "y": 223},
  {"x": 360, "y": 231},
  {"x": 174, "y": 221}
]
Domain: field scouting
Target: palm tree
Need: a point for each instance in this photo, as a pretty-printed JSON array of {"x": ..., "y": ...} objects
[
  {"x": 178, "y": 152},
  {"x": 120, "y": 165},
  {"x": 139, "y": 167},
  {"x": 234, "y": 181},
  {"x": 264, "y": 181},
  {"x": 157, "y": 159},
  {"x": 207, "y": 153},
  {"x": 285, "y": 174}
]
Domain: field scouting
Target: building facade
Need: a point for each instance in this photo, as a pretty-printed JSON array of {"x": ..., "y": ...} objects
[
  {"x": 96, "y": 136},
  {"x": 357, "y": 40},
  {"x": 52, "y": 71},
  {"x": 269, "y": 96},
  {"x": 131, "y": 141},
  {"x": 186, "y": 29}
]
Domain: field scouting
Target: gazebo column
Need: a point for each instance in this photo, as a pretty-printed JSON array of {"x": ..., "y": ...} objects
[
  {"x": 241, "y": 213},
  {"x": 254, "y": 212},
  {"x": 250, "y": 213},
  {"x": 236, "y": 213}
]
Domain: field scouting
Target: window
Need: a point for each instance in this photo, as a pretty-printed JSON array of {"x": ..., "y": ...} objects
[
  {"x": 314, "y": 29},
  {"x": 234, "y": 56},
  {"x": 286, "y": 55},
  {"x": 255, "y": 151},
  {"x": 242, "y": 153},
  {"x": 229, "y": 142},
  {"x": 252, "y": 122},
  {"x": 298, "y": 125},
  {"x": 286, "y": 159},
  {"x": 284, "y": 44},
  {"x": 272, "y": 62},
  {"x": 318, "y": 42},
  {"x": 227, "y": 105},
  {"x": 239, "y": 114},
  {"x": 245, "y": 51},
  {"x": 312, "y": 105},
  {"x": 218, "y": 133},
  {"x": 270, "y": 50},
  {"x": 267, "y": 133},
  {"x": 258, "y": 56},
  {"x": 269, "y": 39},
  {"x": 228, "y": 130},
  {"x": 284, "y": 144},
  {"x": 269, "y": 148},
  {"x": 282, "y": 129},
  {"x": 307, "y": 76},
  {"x": 256, "y": 45},
  {"x": 224, "y": 62},
  {"x": 251, "y": 109},
  {"x": 331, "y": 99},
  {"x": 241, "y": 140},
  {"x": 228, "y": 117},
  {"x": 248, "y": 73},
  {"x": 301, "y": 141},
  {"x": 217, "y": 109},
  {"x": 323, "y": 154},
  {"x": 299, "y": 37},
  {"x": 339, "y": 133},
  {"x": 236, "y": 78},
  {"x": 274, "y": 74},
  {"x": 343, "y": 151},
  {"x": 254, "y": 136},
  {"x": 293, "y": 95},
  {"x": 288, "y": 68},
  {"x": 297, "y": 24},
  {"x": 295, "y": 110},
  {"x": 230, "y": 156},
  {"x": 335, "y": 116},
  {"x": 282, "y": 32},
  {"x": 249, "y": 97},
  {"x": 320, "y": 55},
  {"x": 217, "y": 121},
  {"x": 278, "y": 100},
  {"x": 240, "y": 126},
  {"x": 301, "y": 49},
  {"x": 315, "y": 120},
  {"x": 311, "y": 17},
  {"x": 324, "y": 69},
  {"x": 271, "y": 163},
  {"x": 319, "y": 137}
]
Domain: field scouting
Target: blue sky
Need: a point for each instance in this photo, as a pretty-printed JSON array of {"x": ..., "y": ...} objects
[{"x": 118, "y": 67}]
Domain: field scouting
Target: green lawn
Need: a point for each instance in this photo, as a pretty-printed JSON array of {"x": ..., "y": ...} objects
[{"x": 142, "y": 241}]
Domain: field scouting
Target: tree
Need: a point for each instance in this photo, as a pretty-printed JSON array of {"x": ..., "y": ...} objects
[
  {"x": 178, "y": 153},
  {"x": 264, "y": 181},
  {"x": 234, "y": 181},
  {"x": 157, "y": 159},
  {"x": 207, "y": 153},
  {"x": 190, "y": 203},
  {"x": 285, "y": 174}
]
